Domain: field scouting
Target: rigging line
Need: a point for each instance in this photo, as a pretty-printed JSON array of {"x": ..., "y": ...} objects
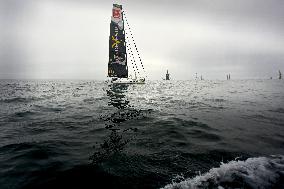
[
  {"x": 126, "y": 21},
  {"x": 132, "y": 55},
  {"x": 131, "y": 58},
  {"x": 139, "y": 58},
  {"x": 134, "y": 42}
]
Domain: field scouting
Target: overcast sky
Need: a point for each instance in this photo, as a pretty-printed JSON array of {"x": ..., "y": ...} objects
[{"x": 68, "y": 39}]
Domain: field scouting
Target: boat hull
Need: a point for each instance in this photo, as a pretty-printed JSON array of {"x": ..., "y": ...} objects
[{"x": 126, "y": 81}]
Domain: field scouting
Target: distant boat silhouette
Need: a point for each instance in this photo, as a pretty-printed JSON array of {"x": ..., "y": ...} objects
[
  {"x": 229, "y": 77},
  {"x": 167, "y": 75}
]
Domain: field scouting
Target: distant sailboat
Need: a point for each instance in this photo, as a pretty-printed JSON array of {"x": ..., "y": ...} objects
[
  {"x": 229, "y": 77},
  {"x": 167, "y": 75},
  {"x": 118, "y": 71},
  {"x": 280, "y": 75}
]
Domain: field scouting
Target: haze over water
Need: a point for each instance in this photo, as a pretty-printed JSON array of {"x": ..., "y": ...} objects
[{"x": 85, "y": 133}]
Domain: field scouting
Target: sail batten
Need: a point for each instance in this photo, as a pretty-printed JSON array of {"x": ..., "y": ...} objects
[{"x": 117, "y": 65}]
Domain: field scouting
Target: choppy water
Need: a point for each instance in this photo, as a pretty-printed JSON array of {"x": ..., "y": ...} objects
[{"x": 177, "y": 134}]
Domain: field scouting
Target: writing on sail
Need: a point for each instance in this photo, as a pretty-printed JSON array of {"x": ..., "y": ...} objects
[{"x": 116, "y": 13}]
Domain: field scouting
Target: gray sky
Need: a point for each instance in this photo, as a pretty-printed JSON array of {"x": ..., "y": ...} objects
[{"x": 68, "y": 39}]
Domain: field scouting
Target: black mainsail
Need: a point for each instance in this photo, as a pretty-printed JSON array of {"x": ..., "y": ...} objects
[{"x": 117, "y": 65}]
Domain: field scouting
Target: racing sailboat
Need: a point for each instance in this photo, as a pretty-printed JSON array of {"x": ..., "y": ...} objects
[
  {"x": 167, "y": 75},
  {"x": 121, "y": 53}
]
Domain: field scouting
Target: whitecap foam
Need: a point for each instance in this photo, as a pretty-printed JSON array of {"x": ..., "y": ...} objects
[{"x": 260, "y": 172}]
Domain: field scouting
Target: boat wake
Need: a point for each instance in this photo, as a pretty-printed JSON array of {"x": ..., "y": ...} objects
[{"x": 261, "y": 172}]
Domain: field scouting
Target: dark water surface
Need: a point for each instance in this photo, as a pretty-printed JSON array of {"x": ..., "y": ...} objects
[{"x": 177, "y": 134}]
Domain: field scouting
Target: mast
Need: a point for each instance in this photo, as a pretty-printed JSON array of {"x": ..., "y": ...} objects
[{"x": 117, "y": 65}]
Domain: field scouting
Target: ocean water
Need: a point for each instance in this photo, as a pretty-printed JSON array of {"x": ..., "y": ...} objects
[{"x": 164, "y": 134}]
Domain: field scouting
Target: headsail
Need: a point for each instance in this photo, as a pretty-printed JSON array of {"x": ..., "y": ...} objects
[{"x": 117, "y": 65}]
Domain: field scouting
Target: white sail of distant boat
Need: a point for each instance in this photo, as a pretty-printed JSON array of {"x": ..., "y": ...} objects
[{"x": 121, "y": 52}]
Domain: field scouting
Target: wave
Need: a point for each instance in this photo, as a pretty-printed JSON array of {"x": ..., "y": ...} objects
[
  {"x": 278, "y": 110},
  {"x": 260, "y": 172},
  {"x": 24, "y": 114},
  {"x": 20, "y": 99}
]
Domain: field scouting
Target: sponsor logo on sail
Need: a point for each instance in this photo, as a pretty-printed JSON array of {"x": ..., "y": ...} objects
[
  {"x": 115, "y": 43},
  {"x": 116, "y": 13}
]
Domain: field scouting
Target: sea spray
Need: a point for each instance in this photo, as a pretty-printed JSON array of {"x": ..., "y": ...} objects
[{"x": 260, "y": 172}]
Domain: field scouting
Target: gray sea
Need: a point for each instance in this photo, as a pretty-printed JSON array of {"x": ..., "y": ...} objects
[{"x": 164, "y": 134}]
